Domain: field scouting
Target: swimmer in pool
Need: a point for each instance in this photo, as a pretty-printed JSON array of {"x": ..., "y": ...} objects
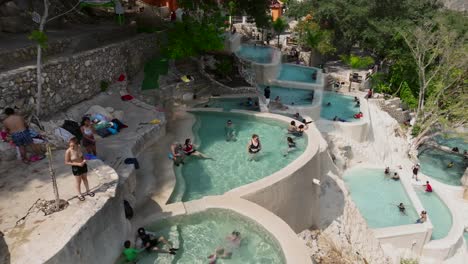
[
  {"x": 292, "y": 127},
  {"x": 328, "y": 104},
  {"x": 300, "y": 131},
  {"x": 230, "y": 131},
  {"x": 387, "y": 170},
  {"x": 189, "y": 149},
  {"x": 253, "y": 147},
  {"x": 233, "y": 241},
  {"x": 291, "y": 145},
  {"x": 395, "y": 176},
  {"x": 402, "y": 208},
  {"x": 450, "y": 165}
]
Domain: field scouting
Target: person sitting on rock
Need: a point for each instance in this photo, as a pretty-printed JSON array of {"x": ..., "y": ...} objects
[{"x": 150, "y": 241}]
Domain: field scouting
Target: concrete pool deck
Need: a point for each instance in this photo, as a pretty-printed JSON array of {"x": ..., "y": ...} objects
[{"x": 31, "y": 241}]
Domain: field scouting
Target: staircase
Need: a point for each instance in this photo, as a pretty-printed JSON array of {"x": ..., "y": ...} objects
[{"x": 394, "y": 108}]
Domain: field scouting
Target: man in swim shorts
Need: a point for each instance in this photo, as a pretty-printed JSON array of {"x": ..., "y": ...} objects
[
  {"x": 150, "y": 241},
  {"x": 16, "y": 126}
]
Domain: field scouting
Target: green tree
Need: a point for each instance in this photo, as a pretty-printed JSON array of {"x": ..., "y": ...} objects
[
  {"x": 441, "y": 58},
  {"x": 279, "y": 26}
]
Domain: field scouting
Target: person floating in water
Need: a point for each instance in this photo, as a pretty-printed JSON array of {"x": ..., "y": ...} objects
[
  {"x": 336, "y": 118},
  {"x": 230, "y": 131},
  {"x": 402, "y": 208},
  {"x": 253, "y": 147},
  {"x": 233, "y": 241},
  {"x": 249, "y": 102},
  {"x": 297, "y": 116},
  {"x": 358, "y": 104},
  {"x": 356, "y": 99},
  {"x": 189, "y": 149},
  {"x": 455, "y": 149},
  {"x": 395, "y": 176},
  {"x": 387, "y": 170},
  {"x": 422, "y": 218},
  {"x": 450, "y": 165},
  {"x": 328, "y": 104},
  {"x": 428, "y": 187},
  {"x": 291, "y": 145}
]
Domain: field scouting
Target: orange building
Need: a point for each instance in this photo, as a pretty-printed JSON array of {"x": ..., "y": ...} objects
[
  {"x": 276, "y": 8},
  {"x": 172, "y": 4}
]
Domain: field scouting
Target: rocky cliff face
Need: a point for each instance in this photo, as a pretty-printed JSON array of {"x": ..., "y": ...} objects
[{"x": 458, "y": 5}]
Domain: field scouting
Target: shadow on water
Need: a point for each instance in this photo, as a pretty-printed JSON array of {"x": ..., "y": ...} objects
[{"x": 331, "y": 201}]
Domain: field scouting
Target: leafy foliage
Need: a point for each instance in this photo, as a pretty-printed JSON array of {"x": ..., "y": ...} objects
[
  {"x": 39, "y": 37},
  {"x": 357, "y": 62},
  {"x": 194, "y": 36},
  {"x": 314, "y": 37},
  {"x": 224, "y": 67},
  {"x": 153, "y": 68},
  {"x": 279, "y": 25}
]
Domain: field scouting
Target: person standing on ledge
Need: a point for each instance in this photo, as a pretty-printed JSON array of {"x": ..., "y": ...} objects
[{"x": 16, "y": 127}]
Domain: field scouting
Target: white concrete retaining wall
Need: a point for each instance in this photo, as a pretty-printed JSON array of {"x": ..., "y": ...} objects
[
  {"x": 232, "y": 42},
  {"x": 99, "y": 240},
  {"x": 290, "y": 191}
]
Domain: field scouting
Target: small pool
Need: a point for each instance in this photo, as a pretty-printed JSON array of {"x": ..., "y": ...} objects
[
  {"x": 259, "y": 54},
  {"x": 295, "y": 73},
  {"x": 230, "y": 103},
  {"x": 342, "y": 106},
  {"x": 465, "y": 234},
  {"x": 292, "y": 96},
  {"x": 231, "y": 167},
  {"x": 377, "y": 198},
  {"x": 438, "y": 213},
  {"x": 452, "y": 142},
  {"x": 200, "y": 234},
  {"x": 434, "y": 164}
]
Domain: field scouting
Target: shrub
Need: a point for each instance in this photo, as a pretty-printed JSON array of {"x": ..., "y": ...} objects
[
  {"x": 357, "y": 62},
  {"x": 409, "y": 261},
  {"x": 104, "y": 85}
]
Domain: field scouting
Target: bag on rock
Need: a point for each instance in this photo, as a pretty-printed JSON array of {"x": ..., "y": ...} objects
[{"x": 128, "y": 210}]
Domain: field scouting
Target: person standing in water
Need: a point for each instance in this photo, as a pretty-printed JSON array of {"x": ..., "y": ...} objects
[
  {"x": 253, "y": 147},
  {"x": 267, "y": 94},
  {"x": 291, "y": 145},
  {"x": 402, "y": 208},
  {"x": 230, "y": 131}
]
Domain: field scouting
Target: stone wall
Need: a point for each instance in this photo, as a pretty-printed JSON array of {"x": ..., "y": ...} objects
[
  {"x": 70, "y": 80},
  {"x": 394, "y": 108}
]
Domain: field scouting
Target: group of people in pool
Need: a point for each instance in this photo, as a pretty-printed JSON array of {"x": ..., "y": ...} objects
[
  {"x": 358, "y": 115},
  {"x": 422, "y": 218},
  {"x": 179, "y": 152},
  {"x": 147, "y": 241},
  {"x": 151, "y": 242}
]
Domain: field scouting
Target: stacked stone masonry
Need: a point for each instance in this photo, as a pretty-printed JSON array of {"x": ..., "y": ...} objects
[
  {"x": 394, "y": 108},
  {"x": 70, "y": 80}
]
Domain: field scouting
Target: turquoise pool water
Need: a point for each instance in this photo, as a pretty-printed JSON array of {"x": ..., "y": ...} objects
[
  {"x": 291, "y": 72},
  {"x": 377, "y": 197},
  {"x": 438, "y": 213},
  {"x": 452, "y": 142},
  {"x": 260, "y": 54},
  {"x": 342, "y": 106},
  {"x": 434, "y": 164},
  {"x": 292, "y": 96},
  {"x": 229, "y": 104},
  {"x": 200, "y": 234},
  {"x": 466, "y": 238},
  {"x": 231, "y": 167}
]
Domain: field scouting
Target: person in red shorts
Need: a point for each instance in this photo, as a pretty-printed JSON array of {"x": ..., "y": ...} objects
[{"x": 428, "y": 187}]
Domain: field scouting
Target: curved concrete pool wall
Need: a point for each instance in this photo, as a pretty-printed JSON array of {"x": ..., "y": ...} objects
[
  {"x": 294, "y": 250},
  {"x": 290, "y": 191},
  {"x": 265, "y": 72},
  {"x": 356, "y": 130},
  {"x": 108, "y": 227},
  {"x": 232, "y": 42},
  {"x": 413, "y": 236},
  {"x": 318, "y": 85}
]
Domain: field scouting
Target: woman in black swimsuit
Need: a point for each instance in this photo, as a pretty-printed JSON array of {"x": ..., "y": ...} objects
[{"x": 254, "y": 147}]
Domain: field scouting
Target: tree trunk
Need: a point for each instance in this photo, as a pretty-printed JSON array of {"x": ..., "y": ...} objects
[
  {"x": 39, "y": 59},
  {"x": 53, "y": 178}
]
